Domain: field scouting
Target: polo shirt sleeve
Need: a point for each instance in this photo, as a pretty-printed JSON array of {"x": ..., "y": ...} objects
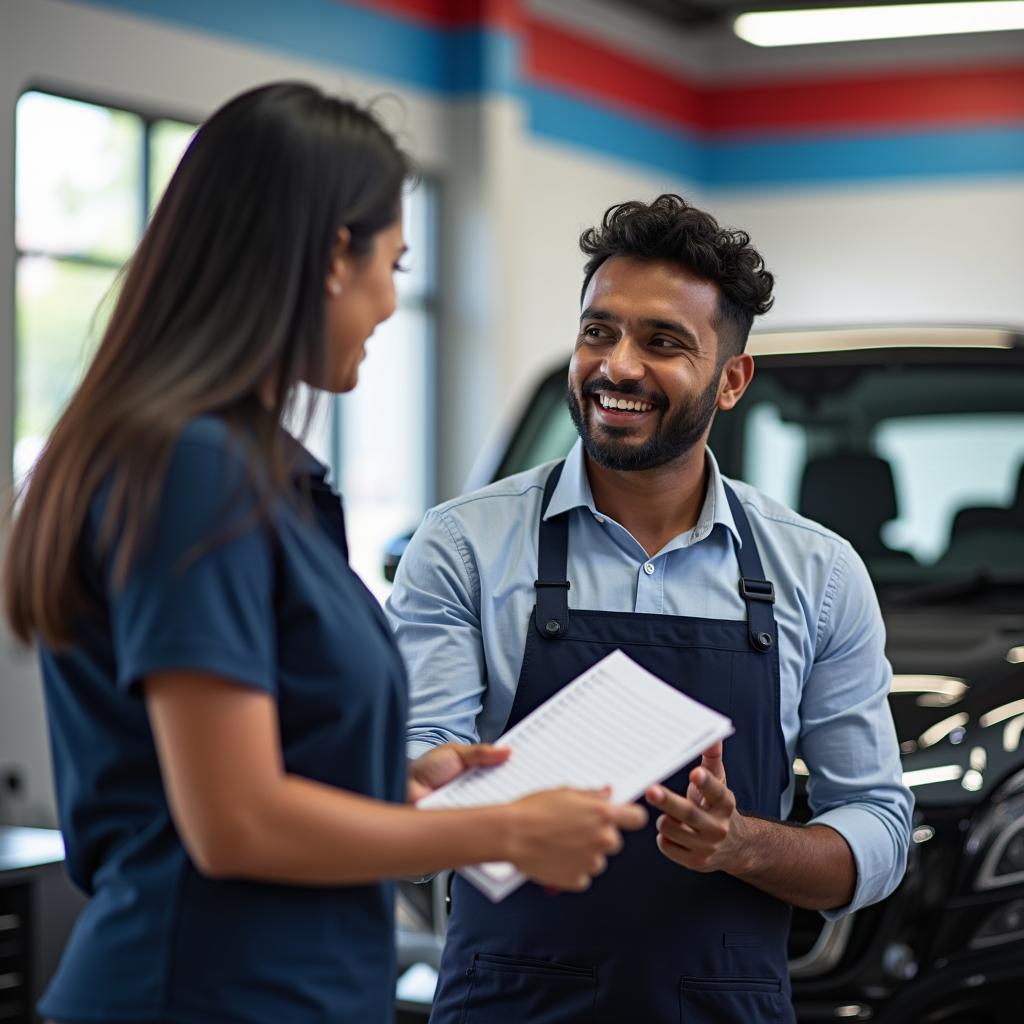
[
  {"x": 199, "y": 595},
  {"x": 847, "y": 736}
]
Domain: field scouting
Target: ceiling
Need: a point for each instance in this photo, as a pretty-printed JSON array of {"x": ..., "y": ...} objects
[{"x": 700, "y": 13}]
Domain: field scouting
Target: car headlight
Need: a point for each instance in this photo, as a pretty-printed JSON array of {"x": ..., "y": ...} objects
[
  {"x": 1003, "y": 862},
  {"x": 1004, "y": 924}
]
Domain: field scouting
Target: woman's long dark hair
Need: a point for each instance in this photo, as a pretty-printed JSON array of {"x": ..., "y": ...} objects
[{"x": 224, "y": 293}]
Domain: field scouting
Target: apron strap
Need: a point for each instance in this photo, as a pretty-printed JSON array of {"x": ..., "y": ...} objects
[
  {"x": 758, "y": 593},
  {"x": 551, "y": 614}
]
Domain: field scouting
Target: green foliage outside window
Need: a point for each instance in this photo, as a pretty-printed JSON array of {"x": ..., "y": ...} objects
[{"x": 87, "y": 177}]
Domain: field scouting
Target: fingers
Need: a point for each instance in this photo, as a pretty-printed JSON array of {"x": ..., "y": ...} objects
[
  {"x": 630, "y": 817},
  {"x": 580, "y": 881},
  {"x": 667, "y": 801},
  {"x": 694, "y": 836},
  {"x": 687, "y": 823},
  {"x": 610, "y": 841},
  {"x": 716, "y": 794},
  {"x": 711, "y": 759},
  {"x": 694, "y": 860},
  {"x": 715, "y": 797}
]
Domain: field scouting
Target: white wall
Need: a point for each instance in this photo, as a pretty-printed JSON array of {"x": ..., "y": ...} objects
[{"x": 938, "y": 252}]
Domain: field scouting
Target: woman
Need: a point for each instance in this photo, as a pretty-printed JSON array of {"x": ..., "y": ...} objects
[{"x": 225, "y": 704}]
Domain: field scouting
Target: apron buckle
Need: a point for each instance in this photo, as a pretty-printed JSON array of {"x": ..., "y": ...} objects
[{"x": 757, "y": 590}]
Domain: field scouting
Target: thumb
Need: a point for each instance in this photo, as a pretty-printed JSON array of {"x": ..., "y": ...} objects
[{"x": 483, "y": 754}]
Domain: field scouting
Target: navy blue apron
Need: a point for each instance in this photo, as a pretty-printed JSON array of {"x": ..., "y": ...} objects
[{"x": 651, "y": 942}]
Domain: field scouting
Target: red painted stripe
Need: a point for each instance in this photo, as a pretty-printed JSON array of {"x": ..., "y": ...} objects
[
  {"x": 949, "y": 96},
  {"x": 564, "y": 60},
  {"x": 502, "y": 14},
  {"x": 559, "y": 58},
  {"x": 554, "y": 56}
]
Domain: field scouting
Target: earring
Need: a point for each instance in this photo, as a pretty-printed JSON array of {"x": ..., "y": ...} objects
[{"x": 334, "y": 287}]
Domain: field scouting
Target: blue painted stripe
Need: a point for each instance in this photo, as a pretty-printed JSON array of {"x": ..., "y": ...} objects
[
  {"x": 456, "y": 61},
  {"x": 952, "y": 153},
  {"x": 482, "y": 61},
  {"x": 566, "y": 119},
  {"x": 793, "y": 160}
]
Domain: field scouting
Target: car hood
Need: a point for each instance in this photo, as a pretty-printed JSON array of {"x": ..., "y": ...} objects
[{"x": 957, "y": 699}]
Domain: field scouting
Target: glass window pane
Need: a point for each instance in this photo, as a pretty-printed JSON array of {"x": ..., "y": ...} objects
[
  {"x": 774, "y": 453},
  {"x": 384, "y": 442},
  {"x": 167, "y": 142},
  {"x": 942, "y": 464},
  {"x": 59, "y": 319},
  {"x": 418, "y": 224},
  {"x": 77, "y": 178}
]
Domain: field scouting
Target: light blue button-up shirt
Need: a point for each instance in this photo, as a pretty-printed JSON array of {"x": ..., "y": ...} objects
[{"x": 464, "y": 595}]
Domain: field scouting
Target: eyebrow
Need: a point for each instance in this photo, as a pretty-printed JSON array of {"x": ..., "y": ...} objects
[{"x": 653, "y": 323}]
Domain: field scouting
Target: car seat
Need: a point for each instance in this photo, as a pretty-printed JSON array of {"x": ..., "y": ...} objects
[
  {"x": 852, "y": 493},
  {"x": 977, "y": 518}
]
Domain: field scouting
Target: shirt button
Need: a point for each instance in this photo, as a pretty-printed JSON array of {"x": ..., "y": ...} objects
[
  {"x": 599, "y": 519},
  {"x": 649, "y": 568}
]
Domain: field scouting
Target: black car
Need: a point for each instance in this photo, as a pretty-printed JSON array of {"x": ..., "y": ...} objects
[{"x": 909, "y": 442}]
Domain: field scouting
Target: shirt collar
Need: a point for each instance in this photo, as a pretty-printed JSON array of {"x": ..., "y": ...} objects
[
  {"x": 301, "y": 461},
  {"x": 573, "y": 491}
]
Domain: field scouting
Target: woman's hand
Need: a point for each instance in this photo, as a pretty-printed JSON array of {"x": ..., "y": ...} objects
[
  {"x": 561, "y": 838},
  {"x": 442, "y": 764}
]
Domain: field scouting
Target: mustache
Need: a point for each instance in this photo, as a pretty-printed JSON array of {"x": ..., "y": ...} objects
[{"x": 626, "y": 387}]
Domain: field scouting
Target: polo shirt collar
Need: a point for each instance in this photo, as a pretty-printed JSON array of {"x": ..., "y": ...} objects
[
  {"x": 573, "y": 491},
  {"x": 302, "y": 462}
]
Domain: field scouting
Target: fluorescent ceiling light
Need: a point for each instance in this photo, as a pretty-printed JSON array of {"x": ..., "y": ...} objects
[
  {"x": 927, "y": 776},
  {"x": 935, "y": 691},
  {"x": 843, "y": 24}
]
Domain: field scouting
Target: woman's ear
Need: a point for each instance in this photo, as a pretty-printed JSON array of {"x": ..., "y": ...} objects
[{"x": 340, "y": 266}]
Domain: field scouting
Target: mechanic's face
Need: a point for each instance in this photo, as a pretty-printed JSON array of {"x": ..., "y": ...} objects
[{"x": 645, "y": 379}]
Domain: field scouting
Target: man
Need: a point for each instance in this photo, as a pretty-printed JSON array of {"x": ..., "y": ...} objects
[{"x": 637, "y": 542}]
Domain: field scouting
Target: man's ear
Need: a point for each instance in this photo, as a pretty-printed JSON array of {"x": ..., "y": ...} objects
[
  {"x": 339, "y": 269},
  {"x": 736, "y": 377}
]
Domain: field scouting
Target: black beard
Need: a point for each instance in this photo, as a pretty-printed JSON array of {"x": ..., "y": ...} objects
[{"x": 673, "y": 437}]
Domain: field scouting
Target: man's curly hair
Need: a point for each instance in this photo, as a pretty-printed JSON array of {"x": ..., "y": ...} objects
[{"x": 669, "y": 228}]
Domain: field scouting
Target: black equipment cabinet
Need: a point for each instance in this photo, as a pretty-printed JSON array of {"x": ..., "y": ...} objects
[{"x": 38, "y": 906}]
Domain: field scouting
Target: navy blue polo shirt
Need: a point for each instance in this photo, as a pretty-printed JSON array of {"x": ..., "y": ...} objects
[{"x": 272, "y": 604}]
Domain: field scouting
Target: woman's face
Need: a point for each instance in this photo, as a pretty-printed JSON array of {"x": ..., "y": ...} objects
[{"x": 360, "y": 294}]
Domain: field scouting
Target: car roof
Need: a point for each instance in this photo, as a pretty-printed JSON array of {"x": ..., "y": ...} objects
[{"x": 845, "y": 339}]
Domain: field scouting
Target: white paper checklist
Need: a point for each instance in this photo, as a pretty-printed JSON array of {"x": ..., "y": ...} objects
[{"x": 615, "y": 725}]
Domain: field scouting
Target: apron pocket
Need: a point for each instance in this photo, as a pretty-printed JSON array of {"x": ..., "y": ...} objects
[
  {"x": 734, "y": 1000},
  {"x": 512, "y": 990}
]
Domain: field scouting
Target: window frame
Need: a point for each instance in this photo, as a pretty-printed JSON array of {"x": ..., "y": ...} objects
[{"x": 148, "y": 118}]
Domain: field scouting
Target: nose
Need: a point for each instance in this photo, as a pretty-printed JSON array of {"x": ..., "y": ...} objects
[{"x": 623, "y": 361}]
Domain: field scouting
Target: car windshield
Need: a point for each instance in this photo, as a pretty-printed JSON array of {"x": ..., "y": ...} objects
[{"x": 918, "y": 461}]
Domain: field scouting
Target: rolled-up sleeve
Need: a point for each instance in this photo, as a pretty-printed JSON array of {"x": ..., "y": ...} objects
[
  {"x": 434, "y": 612},
  {"x": 847, "y": 737}
]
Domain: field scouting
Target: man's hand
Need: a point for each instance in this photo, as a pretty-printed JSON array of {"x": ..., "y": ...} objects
[
  {"x": 702, "y": 831},
  {"x": 440, "y": 765}
]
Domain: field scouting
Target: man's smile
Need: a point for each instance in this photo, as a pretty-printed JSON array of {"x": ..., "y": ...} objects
[{"x": 618, "y": 410}]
